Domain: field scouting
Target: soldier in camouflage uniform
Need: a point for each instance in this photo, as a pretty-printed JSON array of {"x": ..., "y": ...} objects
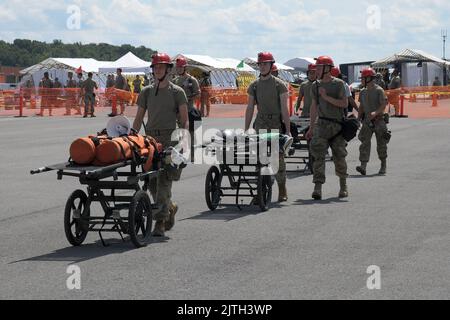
[
  {"x": 373, "y": 103},
  {"x": 305, "y": 92},
  {"x": 327, "y": 111},
  {"x": 163, "y": 101},
  {"x": 270, "y": 94},
  {"x": 191, "y": 88}
]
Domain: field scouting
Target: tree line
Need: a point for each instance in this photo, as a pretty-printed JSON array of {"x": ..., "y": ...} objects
[{"x": 25, "y": 53}]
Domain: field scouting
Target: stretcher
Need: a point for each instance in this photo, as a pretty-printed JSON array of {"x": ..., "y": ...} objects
[
  {"x": 120, "y": 187},
  {"x": 300, "y": 153},
  {"x": 246, "y": 176}
]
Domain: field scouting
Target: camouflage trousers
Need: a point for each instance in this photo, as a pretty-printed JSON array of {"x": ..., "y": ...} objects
[
  {"x": 365, "y": 136},
  {"x": 273, "y": 123},
  {"x": 323, "y": 132},
  {"x": 161, "y": 186}
]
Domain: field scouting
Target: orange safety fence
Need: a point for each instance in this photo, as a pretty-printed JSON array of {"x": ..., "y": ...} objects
[
  {"x": 414, "y": 102},
  {"x": 55, "y": 101}
]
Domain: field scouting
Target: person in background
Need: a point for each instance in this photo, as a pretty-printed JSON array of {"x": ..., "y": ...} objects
[
  {"x": 146, "y": 81},
  {"x": 137, "y": 83},
  {"x": 437, "y": 82},
  {"x": 71, "y": 92},
  {"x": 305, "y": 92},
  {"x": 45, "y": 91},
  {"x": 120, "y": 84},
  {"x": 205, "y": 87},
  {"x": 88, "y": 91}
]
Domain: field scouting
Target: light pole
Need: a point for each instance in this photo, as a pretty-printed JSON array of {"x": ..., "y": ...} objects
[{"x": 444, "y": 38}]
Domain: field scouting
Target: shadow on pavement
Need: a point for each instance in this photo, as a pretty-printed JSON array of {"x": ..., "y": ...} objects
[{"x": 90, "y": 251}]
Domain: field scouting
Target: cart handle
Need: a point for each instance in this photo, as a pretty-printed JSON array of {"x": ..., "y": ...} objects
[{"x": 40, "y": 170}]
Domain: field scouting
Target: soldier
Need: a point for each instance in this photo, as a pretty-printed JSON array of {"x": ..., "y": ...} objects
[
  {"x": 437, "y": 82},
  {"x": 305, "y": 92},
  {"x": 191, "y": 88},
  {"x": 87, "y": 90},
  {"x": 327, "y": 112},
  {"x": 379, "y": 81},
  {"x": 395, "y": 85},
  {"x": 270, "y": 94},
  {"x": 46, "y": 86},
  {"x": 72, "y": 102},
  {"x": 205, "y": 87},
  {"x": 120, "y": 84},
  {"x": 163, "y": 101},
  {"x": 137, "y": 83},
  {"x": 146, "y": 81},
  {"x": 336, "y": 72},
  {"x": 373, "y": 103}
]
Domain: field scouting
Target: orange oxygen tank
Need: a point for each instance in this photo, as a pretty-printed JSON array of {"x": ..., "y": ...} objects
[
  {"x": 113, "y": 151},
  {"x": 82, "y": 150}
]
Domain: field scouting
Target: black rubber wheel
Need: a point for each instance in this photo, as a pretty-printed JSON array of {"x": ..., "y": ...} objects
[
  {"x": 140, "y": 219},
  {"x": 76, "y": 213},
  {"x": 264, "y": 190},
  {"x": 213, "y": 191}
]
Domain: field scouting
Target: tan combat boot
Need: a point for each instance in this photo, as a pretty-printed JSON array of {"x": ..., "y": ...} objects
[
  {"x": 282, "y": 196},
  {"x": 362, "y": 168},
  {"x": 159, "y": 229},
  {"x": 170, "y": 222},
  {"x": 383, "y": 167},
  {"x": 317, "y": 193},
  {"x": 343, "y": 192}
]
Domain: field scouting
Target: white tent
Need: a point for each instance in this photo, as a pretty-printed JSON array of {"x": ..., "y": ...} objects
[
  {"x": 418, "y": 68},
  {"x": 223, "y": 71},
  {"x": 60, "y": 67},
  {"x": 129, "y": 63},
  {"x": 300, "y": 63},
  {"x": 284, "y": 72}
]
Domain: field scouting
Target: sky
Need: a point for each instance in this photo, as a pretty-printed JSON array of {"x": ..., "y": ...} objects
[{"x": 348, "y": 30}]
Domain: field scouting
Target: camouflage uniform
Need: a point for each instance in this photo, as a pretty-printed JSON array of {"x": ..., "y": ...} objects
[
  {"x": 371, "y": 100},
  {"x": 162, "y": 120},
  {"x": 89, "y": 96},
  {"x": 325, "y": 131},
  {"x": 305, "y": 91},
  {"x": 268, "y": 102},
  {"x": 191, "y": 88}
]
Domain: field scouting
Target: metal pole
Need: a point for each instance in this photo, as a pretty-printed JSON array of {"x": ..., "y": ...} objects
[{"x": 444, "y": 38}]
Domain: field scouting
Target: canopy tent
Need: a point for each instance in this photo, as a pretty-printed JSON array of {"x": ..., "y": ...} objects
[
  {"x": 129, "y": 63},
  {"x": 409, "y": 56},
  {"x": 417, "y": 68},
  {"x": 60, "y": 67},
  {"x": 284, "y": 72},
  {"x": 300, "y": 63},
  {"x": 224, "y": 72}
]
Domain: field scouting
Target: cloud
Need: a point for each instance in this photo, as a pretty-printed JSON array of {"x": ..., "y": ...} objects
[{"x": 236, "y": 28}]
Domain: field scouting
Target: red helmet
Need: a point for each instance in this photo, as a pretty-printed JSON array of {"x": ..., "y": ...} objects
[
  {"x": 161, "y": 58},
  {"x": 312, "y": 67},
  {"x": 181, "y": 62},
  {"x": 274, "y": 68},
  {"x": 335, "y": 72},
  {"x": 368, "y": 72},
  {"x": 325, "y": 61},
  {"x": 265, "y": 57}
]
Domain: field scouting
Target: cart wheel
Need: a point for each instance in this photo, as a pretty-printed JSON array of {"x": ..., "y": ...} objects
[
  {"x": 213, "y": 191},
  {"x": 140, "y": 219},
  {"x": 76, "y": 210},
  {"x": 264, "y": 191}
]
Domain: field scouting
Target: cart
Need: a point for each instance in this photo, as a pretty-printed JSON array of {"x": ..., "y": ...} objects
[
  {"x": 245, "y": 175},
  {"x": 300, "y": 153},
  {"x": 124, "y": 177}
]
